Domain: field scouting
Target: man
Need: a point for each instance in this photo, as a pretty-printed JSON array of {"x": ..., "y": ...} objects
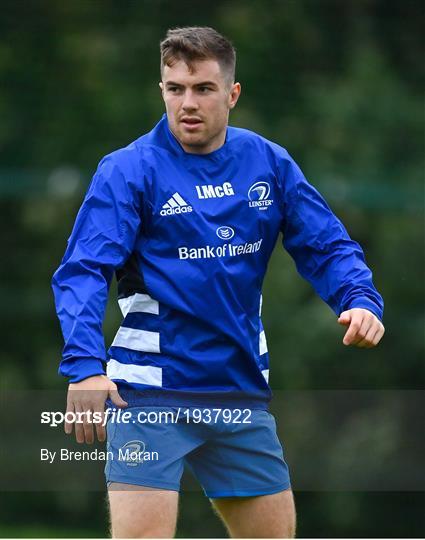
[{"x": 188, "y": 216}]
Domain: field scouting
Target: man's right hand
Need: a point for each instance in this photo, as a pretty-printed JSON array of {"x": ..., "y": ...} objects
[{"x": 90, "y": 395}]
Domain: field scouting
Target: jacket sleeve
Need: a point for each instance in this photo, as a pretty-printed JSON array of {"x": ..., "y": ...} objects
[
  {"x": 323, "y": 252},
  {"x": 103, "y": 237}
]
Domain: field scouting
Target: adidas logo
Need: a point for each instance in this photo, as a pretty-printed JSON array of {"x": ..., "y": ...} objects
[{"x": 175, "y": 205}]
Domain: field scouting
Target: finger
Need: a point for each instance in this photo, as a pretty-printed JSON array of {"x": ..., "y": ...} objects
[
  {"x": 351, "y": 334},
  {"x": 100, "y": 428},
  {"x": 116, "y": 398},
  {"x": 378, "y": 336},
  {"x": 88, "y": 425},
  {"x": 344, "y": 318},
  {"x": 362, "y": 333},
  {"x": 367, "y": 341},
  {"x": 70, "y": 410},
  {"x": 79, "y": 428},
  {"x": 362, "y": 322}
]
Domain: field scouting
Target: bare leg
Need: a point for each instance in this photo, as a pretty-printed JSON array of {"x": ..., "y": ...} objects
[
  {"x": 264, "y": 516},
  {"x": 142, "y": 512}
]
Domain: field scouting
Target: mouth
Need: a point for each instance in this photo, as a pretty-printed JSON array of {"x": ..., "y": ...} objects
[{"x": 191, "y": 123}]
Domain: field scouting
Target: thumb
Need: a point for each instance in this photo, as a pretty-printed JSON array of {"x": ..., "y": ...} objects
[
  {"x": 344, "y": 318},
  {"x": 116, "y": 398}
]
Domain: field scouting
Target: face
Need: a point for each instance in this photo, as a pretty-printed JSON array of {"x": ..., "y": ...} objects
[{"x": 198, "y": 104}]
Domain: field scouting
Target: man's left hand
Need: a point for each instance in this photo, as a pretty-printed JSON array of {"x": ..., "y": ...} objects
[{"x": 364, "y": 329}]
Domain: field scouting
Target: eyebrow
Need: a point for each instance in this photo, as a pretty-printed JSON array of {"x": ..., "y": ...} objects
[{"x": 204, "y": 83}]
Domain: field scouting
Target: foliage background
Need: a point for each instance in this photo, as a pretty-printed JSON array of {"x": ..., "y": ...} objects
[{"x": 339, "y": 84}]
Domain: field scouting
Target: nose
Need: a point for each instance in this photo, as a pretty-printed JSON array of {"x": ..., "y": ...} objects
[{"x": 189, "y": 101}]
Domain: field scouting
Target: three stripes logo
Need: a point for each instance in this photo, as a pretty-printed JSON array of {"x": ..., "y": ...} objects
[
  {"x": 225, "y": 233},
  {"x": 175, "y": 205}
]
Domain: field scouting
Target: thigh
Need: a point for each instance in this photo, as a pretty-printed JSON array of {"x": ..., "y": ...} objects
[
  {"x": 265, "y": 516},
  {"x": 138, "y": 512}
]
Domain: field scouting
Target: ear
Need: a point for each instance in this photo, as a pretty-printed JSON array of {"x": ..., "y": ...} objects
[
  {"x": 161, "y": 86},
  {"x": 234, "y": 94}
]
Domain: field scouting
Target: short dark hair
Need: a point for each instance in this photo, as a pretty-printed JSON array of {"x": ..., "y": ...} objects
[{"x": 195, "y": 43}]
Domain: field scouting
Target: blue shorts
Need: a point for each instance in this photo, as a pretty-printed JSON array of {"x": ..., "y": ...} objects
[{"x": 232, "y": 452}]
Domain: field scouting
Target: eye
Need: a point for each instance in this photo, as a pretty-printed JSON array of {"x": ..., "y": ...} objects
[
  {"x": 173, "y": 89},
  {"x": 204, "y": 89}
]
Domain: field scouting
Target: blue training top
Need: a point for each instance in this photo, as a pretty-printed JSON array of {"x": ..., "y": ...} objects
[{"x": 189, "y": 237}]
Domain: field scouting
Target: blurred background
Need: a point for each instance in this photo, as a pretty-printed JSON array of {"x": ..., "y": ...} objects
[{"x": 340, "y": 85}]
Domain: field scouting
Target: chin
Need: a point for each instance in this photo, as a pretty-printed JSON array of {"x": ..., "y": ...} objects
[{"x": 193, "y": 140}]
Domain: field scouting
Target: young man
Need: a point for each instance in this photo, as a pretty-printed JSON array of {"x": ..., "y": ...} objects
[{"x": 188, "y": 216}]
